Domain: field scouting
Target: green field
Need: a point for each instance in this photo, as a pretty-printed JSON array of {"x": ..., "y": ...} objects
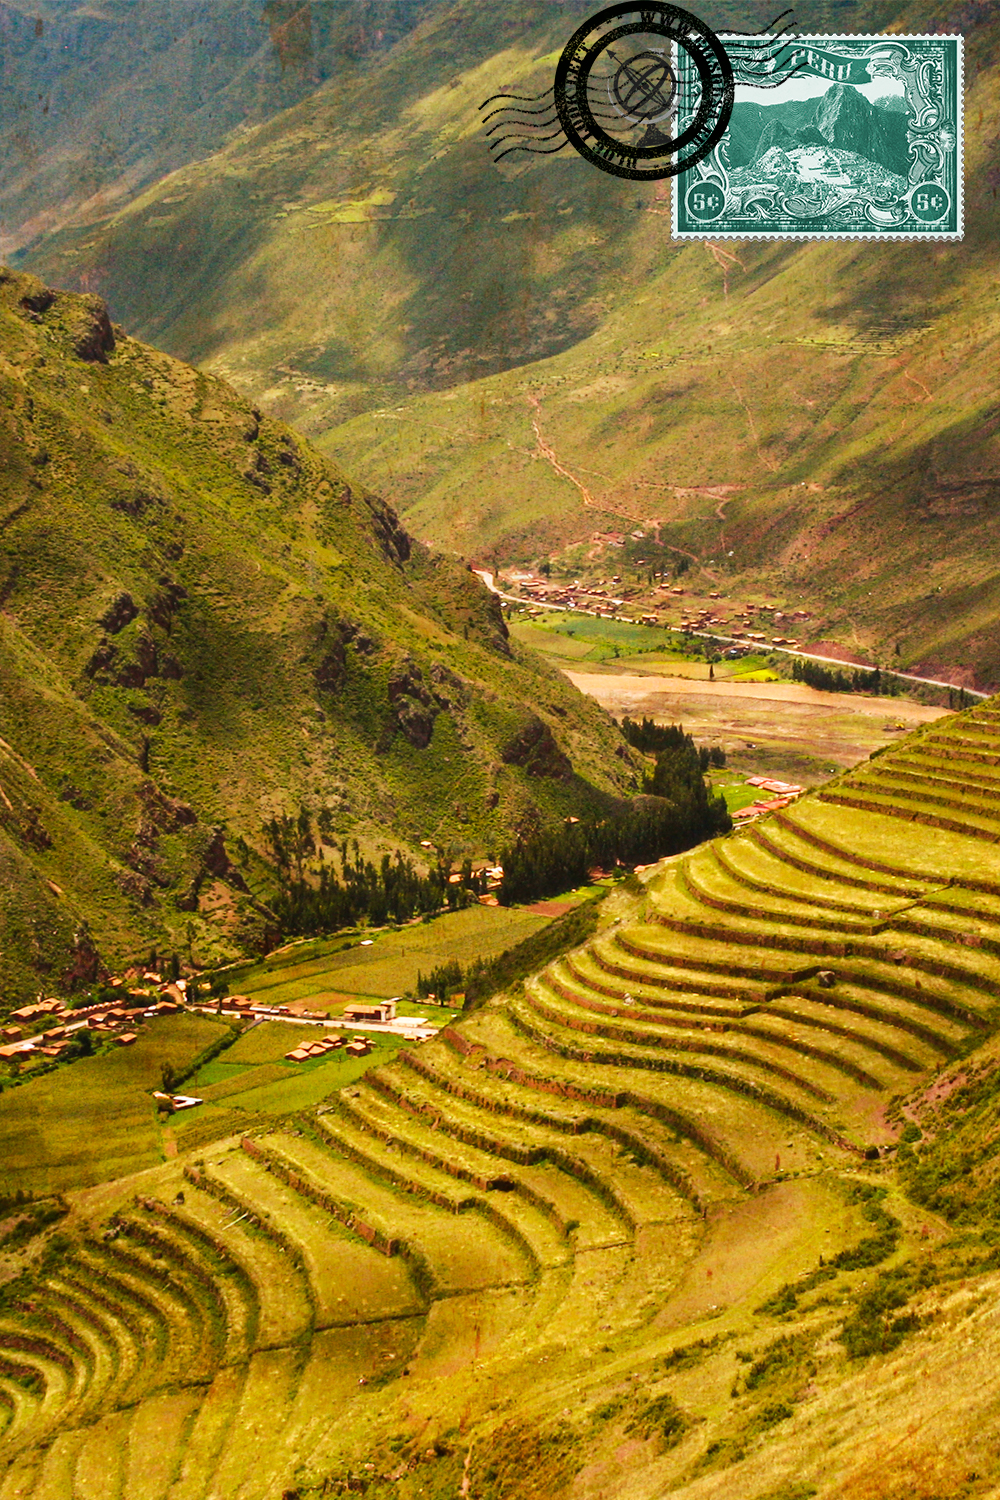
[
  {"x": 735, "y": 790},
  {"x": 325, "y": 976},
  {"x": 570, "y": 638},
  {"x": 253, "y": 1074},
  {"x": 94, "y": 1119}
]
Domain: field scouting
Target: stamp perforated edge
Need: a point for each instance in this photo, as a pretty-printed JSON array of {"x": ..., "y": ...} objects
[{"x": 948, "y": 237}]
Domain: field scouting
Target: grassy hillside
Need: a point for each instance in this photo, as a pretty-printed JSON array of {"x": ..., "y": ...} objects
[
  {"x": 204, "y": 624},
  {"x": 705, "y": 1208},
  {"x": 97, "y": 102},
  {"x": 815, "y": 420}
]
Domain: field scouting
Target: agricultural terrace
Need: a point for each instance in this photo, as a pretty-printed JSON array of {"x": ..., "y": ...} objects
[{"x": 657, "y": 1212}]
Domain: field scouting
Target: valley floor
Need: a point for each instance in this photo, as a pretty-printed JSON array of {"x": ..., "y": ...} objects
[{"x": 838, "y": 728}]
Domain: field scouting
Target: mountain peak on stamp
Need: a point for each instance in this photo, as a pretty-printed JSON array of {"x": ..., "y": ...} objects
[
  {"x": 774, "y": 134},
  {"x": 846, "y": 119}
]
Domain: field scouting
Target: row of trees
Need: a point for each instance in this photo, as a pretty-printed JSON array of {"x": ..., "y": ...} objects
[
  {"x": 685, "y": 813},
  {"x": 393, "y": 891},
  {"x": 550, "y": 860},
  {"x": 443, "y": 980},
  {"x": 831, "y": 680},
  {"x": 652, "y": 739}
]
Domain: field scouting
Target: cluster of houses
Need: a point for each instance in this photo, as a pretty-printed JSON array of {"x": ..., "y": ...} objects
[
  {"x": 243, "y": 1005},
  {"x": 780, "y": 794},
  {"x": 358, "y": 1046},
  {"x": 607, "y": 597},
  {"x": 604, "y": 598},
  {"x": 367, "y": 1013},
  {"x": 116, "y": 1021},
  {"x": 50, "y": 1042},
  {"x": 491, "y": 875}
]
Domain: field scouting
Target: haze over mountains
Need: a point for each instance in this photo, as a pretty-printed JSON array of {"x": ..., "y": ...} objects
[
  {"x": 100, "y": 100},
  {"x": 360, "y": 266}
]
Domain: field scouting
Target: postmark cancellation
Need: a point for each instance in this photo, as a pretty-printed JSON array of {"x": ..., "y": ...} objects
[{"x": 864, "y": 141}]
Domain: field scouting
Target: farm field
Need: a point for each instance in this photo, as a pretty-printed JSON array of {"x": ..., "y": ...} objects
[
  {"x": 254, "y": 1074},
  {"x": 677, "y": 1215},
  {"x": 94, "y": 1118},
  {"x": 326, "y": 977},
  {"x": 576, "y": 637},
  {"x": 768, "y": 727}
]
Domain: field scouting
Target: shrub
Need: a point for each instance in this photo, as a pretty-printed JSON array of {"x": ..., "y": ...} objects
[{"x": 661, "y": 1418}]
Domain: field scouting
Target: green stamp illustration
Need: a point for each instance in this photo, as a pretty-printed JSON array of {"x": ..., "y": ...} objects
[{"x": 864, "y": 141}]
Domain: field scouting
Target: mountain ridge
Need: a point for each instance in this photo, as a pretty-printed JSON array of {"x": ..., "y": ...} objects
[
  {"x": 203, "y": 624},
  {"x": 842, "y": 118},
  {"x": 102, "y": 101},
  {"x": 319, "y": 263}
]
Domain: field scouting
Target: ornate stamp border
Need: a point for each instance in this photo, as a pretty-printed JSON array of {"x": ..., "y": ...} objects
[{"x": 712, "y": 201}]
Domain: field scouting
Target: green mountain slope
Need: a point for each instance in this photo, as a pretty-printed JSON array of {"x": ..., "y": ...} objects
[
  {"x": 522, "y": 357},
  {"x": 203, "y": 623},
  {"x": 99, "y": 101}
]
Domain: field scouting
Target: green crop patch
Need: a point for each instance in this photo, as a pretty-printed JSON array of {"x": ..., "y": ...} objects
[
  {"x": 94, "y": 1119},
  {"x": 389, "y": 965},
  {"x": 268, "y": 1042}
]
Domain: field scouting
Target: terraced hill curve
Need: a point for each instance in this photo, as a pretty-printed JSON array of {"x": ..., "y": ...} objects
[{"x": 588, "y": 1202}]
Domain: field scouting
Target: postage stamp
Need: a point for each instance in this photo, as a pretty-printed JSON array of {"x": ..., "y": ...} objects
[{"x": 864, "y": 141}]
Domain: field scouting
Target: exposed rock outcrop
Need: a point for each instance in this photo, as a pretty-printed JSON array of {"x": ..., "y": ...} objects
[
  {"x": 85, "y": 965},
  {"x": 414, "y": 706},
  {"x": 92, "y": 336},
  {"x": 394, "y": 539},
  {"x": 134, "y": 666},
  {"x": 335, "y": 635},
  {"x": 534, "y": 748},
  {"x": 167, "y": 814},
  {"x": 163, "y": 605},
  {"x": 121, "y": 612}
]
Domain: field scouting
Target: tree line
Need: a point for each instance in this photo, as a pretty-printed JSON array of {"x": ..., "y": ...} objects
[
  {"x": 832, "y": 680},
  {"x": 555, "y": 859},
  {"x": 392, "y": 891},
  {"x": 652, "y": 739},
  {"x": 347, "y": 888}
]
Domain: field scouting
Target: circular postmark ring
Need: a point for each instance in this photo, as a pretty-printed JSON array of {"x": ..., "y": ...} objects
[
  {"x": 645, "y": 86},
  {"x": 664, "y": 157}
]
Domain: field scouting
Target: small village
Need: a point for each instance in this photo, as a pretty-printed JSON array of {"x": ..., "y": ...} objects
[
  {"x": 659, "y": 605},
  {"x": 23, "y": 1040},
  {"x": 49, "y": 1030}
]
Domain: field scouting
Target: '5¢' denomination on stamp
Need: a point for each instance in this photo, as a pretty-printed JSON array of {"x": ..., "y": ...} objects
[{"x": 864, "y": 141}]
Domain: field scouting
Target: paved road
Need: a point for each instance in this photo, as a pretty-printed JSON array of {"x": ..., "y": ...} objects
[
  {"x": 333, "y": 1023},
  {"x": 715, "y": 635}
]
